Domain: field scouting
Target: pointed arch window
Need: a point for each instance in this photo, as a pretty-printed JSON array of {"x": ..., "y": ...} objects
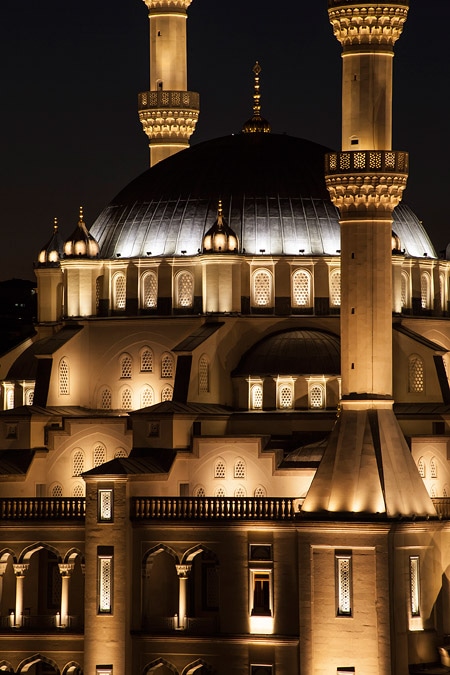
[
  {"x": 316, "y": 394},
  {"x": 199, "y": 491},
  {"x": 99, "y": 454},
  {"x": 167, "y": 366},
  {"x": 184, "y": 286},
  {"x": 416, "y": 374},
  {"x": 404, "y": 290},
  {"x": 220, "y": 468},
  {"x": 78, "y": 490},
  {"x": 203, "y": 374},
  {"x": 10, "y": 399},
  {"x": 239, "y": 468},
  {"x": 425, "y": 290},
  {"x": 119, "y": 291},
  {"x": 421, "y": 467},
  {"x": 98, "y": 291},
  {"x": 29, "y": 396},
  {"x": 301, "y": 289},
  {"x": 260, "y": 491},
  {"x": 78, "y": 463},
  {"x": 285, "y": 392},
  {"x": 147, "y": 397},
  {"x": 126, "y": 398},
  {"x": 335, "y": 288},
  {"x": 64, "y": 377},
  {"x": 120, "y": 452},
  {"x": 56, "y": 490},
  {"x": 256, "y": 397},
  {"x": 126, "y": 366},
  {"x": 219, "y": 491},
  {"x": 240, "y": 492},
  {"x": 106, "y": 399},
  {"x": 147, "y": 360},
  {"x": 433, "y": 468},
  {"x": 167, "y": 393},
  {"x": 149, "y": 290},
  {"x": 262, "y": 288}
]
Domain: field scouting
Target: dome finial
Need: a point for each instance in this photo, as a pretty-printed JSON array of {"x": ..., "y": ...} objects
[
  {"x": 81, "y": 218},
  {"x": 219, "y": 213},
  {"x": 55, "y": 224},
  {"x": 256, "y": 124}
]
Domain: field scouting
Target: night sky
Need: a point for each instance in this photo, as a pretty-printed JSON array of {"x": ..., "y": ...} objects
[{"x": 71, "y": 72}]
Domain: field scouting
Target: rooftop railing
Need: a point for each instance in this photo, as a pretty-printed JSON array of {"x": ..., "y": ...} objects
[
  {"x": 214, "y": 508},
  {"x": 43, "y": 508}
]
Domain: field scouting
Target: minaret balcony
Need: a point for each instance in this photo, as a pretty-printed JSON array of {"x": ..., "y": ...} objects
[
  {"x": 149, "y": 100},
  {"x": 169, "y": 114}
]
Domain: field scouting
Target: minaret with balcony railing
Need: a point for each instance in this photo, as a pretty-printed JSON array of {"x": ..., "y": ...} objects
[{"x": 168, "y": 112}]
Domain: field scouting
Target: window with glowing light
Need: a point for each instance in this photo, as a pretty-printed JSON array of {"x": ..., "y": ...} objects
[
  {"x": 105, "y": 505},
  {"x": 317, "y": 396},
  {"x": 343, "y": 563},
  {"x": 166, "y": 393},
  {"x": 105, "y": 578},
  {"x": 203, "y": 375},
  {"x": 106, "y": 399},
  {"x": 285, "y": 397},
  {"x": 219, "y": 492},
  {"x": 64, "y": 377},
  {"x": 442, "y": 291},
  {"x": 29, "y": 396},
  {"x": 414, "y": 584},
  {"x": 126, "y": 366},
  {"x": 120, "y": 452},
  {"x": 98, "y": 291},
  {"x": 56, "y": 490},
  {"x": 146, "y": 360},
  {"x": 433, "y": 468},
  {"x": 240, "y": 491},
  {"x": 126, "y": 399},
  {"x": 199, "y": 491},
  {"x": 335, "y": 288},
  {"x": 10, "y": 399},
  {"x": 301, "y": 289},
  {"x": 262, "y": 290},
  {"x": 425, "y": 290},
  {"x": 260, "y": 584},
  {"x": 421, "y": 467},
  {"x": 147, "y": 397},
  {"x": 184, "y": 285},
  {"x": 167, "y": 366},
  {"x": 99, "y": 455},
  {"x": 404, "y": 290},
  {"x": 256, "y": 397},
  {"x": 119, "y": 291},
  {"x": 78, "y": 490},
  {"x": 149, "y": 291},
  {"x": 239, "y": 468},
  {"x": 416, "y": 374},
  {"x": 78, "y": 463},
  {"x": 260, "y": 491},
  {"x": 220, "y": 468}
]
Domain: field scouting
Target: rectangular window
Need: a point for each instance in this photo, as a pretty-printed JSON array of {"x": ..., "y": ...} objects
[
  {"x": 103, "y": 670},
  {"x": 344, "y": 583},
  {"x": 105, "y": 505},
  {"x": 105, "y": 578},
  {"x": 261, "y": 669},
  {"x": 261, "y": 592},
  {"x": 414, "y": 584}
]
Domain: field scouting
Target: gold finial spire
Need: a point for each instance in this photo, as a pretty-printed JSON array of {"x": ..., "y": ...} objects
[
  {"x": 55, "y": 224},
  {"x": 256, "y": 124},
  {"x": 219, "y": 213},
  {"x": 81, "y": 215}
]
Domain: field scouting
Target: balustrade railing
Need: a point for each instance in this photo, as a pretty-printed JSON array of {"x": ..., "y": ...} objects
[
  {"x": 169, "y": 99},
  {"x": 442, "y": 506},
  {"x": 366, "y": 161},
  {"x": 214, "y": 508},
  {"x": 43, "y": 508}
]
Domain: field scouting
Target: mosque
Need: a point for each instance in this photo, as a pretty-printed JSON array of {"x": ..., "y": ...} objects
[{"x": 227, "y": 447}]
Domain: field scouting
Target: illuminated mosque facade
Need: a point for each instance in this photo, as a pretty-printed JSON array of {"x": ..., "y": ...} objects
[{"x": 226, "y": 449}]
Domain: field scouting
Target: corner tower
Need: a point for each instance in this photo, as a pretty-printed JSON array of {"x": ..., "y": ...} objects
[{"x": 168, "y": 112}]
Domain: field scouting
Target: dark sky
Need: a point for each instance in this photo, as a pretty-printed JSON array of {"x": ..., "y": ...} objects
[{"x": 71, "y": 72}]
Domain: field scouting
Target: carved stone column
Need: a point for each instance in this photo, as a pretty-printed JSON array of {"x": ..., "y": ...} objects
[
  {"x": 65, "y": 569},
  {"x": 183, "y": 572},
  {"x": 20, "y": 569}
]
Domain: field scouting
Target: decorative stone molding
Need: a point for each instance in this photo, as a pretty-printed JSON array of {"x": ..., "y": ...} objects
[
  {"x": 20, "y": 569},
  {"x": 168, "y": 4},
  {"x": 183, "y": 571},
  {"x": 359, "y": 23},
  {"x": 168, "y": 115},
  {"x": 66, "y": 569}
]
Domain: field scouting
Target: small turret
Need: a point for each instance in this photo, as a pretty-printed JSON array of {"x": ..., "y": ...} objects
[
  {"x": 220, "y": 238},
  {"x": 53, "y": 251},
  {"x": 81, "y": 243}
]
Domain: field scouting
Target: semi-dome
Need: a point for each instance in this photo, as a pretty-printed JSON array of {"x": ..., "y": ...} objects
[
  {"x": 292, "y": 352},
  {"x": 274, "y": 198}
]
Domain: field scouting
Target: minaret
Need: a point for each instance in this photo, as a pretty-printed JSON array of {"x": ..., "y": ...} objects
[
  {"x": 168, "y": 111},
  {"x": 367, "y": 467}
]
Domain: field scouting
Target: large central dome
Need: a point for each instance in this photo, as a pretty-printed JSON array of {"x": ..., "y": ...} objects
[{"x": 273, "y": 193}]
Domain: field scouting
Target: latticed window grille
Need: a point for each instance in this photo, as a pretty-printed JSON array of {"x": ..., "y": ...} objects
[
  {"x": 240, "y": 492},
  {"x": 199, "y": 491},
  {"x": 219, "y": 492},
  {"x": 99, "y": 454},
  {"x": 359, "y": 160},
  {"x": 149, "y": 291},
  {"x": 404, "y": 289},
  {"x": 239, "y": 468},
  {"x": 78, "y": 490},
  {"x": 106, "y": 399},
  {"x": 257, "y": 397},
  {"x": 166, "y": 394},
  {"x": 126, "y": 399},
  {"x": 57, "y": 490},
  {"x": 416, "y": 374},
  {"x": 63, "y": 377},
  {"x": 260, "y": 491},
  {"x": 421, "y": 467},
  {"x": 126, "y": 365},
  {"x": 29, "y": 396},
  {"x": 78, "y": 463},
  {"x": 301, "y": 289},
  {"x": 120, "y": 291},
  {"x": 105, "y": 504},
  {"x": 316, "y": 396},
  {"x": 203, "y": 375},
  {"x": 146, "y": 360},
  {"x": 167, "y": 366},
  {"x": 120, "y": 452},
  {"x": 185, "y": 289},
  {"x": 433, "y": 468},
  {"x": 335, "y": 288},
  {"x": 344, "y": 584},
  {"x": 433, "y": 492},
  {"x": 262, "y": 288},
  {"x": 147, "y": 397},
  {"x": 425, "y": 291},
  {"x": 98, "y": 290},
  {"x": 10, "y": 399},
  {"x": 375, "y": 160},
  {"x": 285, "y": 397},
  {"x": 105, "y": 576},
  {"x": 414, "y": 584},
  {"x": 220, "y": 469}
]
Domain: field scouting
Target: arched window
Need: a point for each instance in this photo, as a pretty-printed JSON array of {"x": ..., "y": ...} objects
[
  {"x": 425, "y": 290},
  {"x": 184, "y": 289},
  {"x": 433, "y": 468},
  {"x": 317, "y": 396},
  {"x": 262, "y": 291},
  {"x": 29, "y": 396},
  {"x": 199, "y": 491},
  {"x": 240, "y": 492},
  {"x": 119, "y": 291},
  {"x": 203, "y": 374},
  {"x": 220, "y": 468},
  {"x": 64, "y": 377},
  {"x": 99, "y": 454},
  {"x": 147, "y": 397},
  {"x": 56, "y": 490},
  {"x": 433, "y": 491},
  {"x": 10, "y": 399},
  {"x": 106, "y": 399},
  {"x": 126, "y": 399},
  {"x": 120, "y": 452},
  {"x": 167, "y": 366},
  {"x": 256, "y": 397},
  {"x": 78, "y": 463},
  {"x": 219, "y": 491},
  {"x": 442, "y": 291},
  {"x": 285, "y": 397},
  {"x": 301, "y": 289},
  {"x": 416, "y": 374},
  {"x": 239, "y": 468},
  {"x": 146, "y": 360},
  {"x": 404, "y": 290},
  {"x": 167, "y": 393},
  {"x": 126, "y": 365},
  {"x": 78, "y": 490},
  {"x": 260, "y": 491},
  {"x": 421, "y": 467},
  {"x": 149, "y": 290},
  {"x": 335, "y": 288}
]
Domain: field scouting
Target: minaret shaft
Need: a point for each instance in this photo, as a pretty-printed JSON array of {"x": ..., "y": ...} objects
[{"x": 168, "y": 61}]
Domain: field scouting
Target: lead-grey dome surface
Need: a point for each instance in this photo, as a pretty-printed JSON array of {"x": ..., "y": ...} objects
[
  {"x": 292, "y": 352},
  {"x": 273, "y": 193}
]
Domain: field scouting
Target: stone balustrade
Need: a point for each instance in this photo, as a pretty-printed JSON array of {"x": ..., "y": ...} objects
[
  {"x": 43, "y": 508},
  {"x": 366, "y": 161},
  {"x": 186, "y": 100}
]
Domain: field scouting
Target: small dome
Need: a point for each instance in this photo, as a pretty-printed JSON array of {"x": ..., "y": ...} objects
[
  {"x": 292, "y": 352},
  {"x": 81, "y": 243},
  {"x": 220, "y": 238},
  {"x": 53, "y": 251}
]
